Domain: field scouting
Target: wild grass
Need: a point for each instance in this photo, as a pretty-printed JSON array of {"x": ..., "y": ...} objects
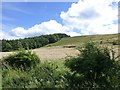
[{"x": 80, "y": 40}]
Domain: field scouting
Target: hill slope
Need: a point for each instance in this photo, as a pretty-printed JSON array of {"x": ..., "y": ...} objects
[
  {"x": 79, "y": 40},
  {"x": 61, "y": 49}
]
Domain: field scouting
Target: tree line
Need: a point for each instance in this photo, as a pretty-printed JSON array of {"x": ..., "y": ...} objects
[{"x": 31, "y": 43}]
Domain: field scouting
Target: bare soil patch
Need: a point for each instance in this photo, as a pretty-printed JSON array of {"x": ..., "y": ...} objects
[
  {"x": 50, "y": 53},
  {"x": 55, "y": 52}
]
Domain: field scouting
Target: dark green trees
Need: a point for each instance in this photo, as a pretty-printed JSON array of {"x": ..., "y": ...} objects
[
  {"x": 6, "y": 45},
  {"x": 31, "y": 43},
  {"x": 94, "y": 68}
]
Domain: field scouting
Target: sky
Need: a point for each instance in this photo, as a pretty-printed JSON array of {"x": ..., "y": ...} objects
[{"x": 85, "y": 17}]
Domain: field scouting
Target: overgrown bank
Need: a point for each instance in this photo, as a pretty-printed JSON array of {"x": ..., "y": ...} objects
[{"x": 93, "y": 68}]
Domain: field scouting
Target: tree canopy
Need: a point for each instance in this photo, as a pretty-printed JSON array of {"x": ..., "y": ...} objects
[{"x": 31, "y": 43}]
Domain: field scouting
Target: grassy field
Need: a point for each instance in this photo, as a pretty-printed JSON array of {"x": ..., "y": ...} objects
[{"x": 79, "y": 40}]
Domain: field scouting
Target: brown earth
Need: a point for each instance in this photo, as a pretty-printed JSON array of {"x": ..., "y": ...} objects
[
  {"x": 54, "y": 53},
  {"x": 50, "y": 53}
]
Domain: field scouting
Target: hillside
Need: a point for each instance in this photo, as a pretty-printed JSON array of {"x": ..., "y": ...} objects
[
  {"x": 68, "y": 46},
  {"x": 107, "y": 39}
]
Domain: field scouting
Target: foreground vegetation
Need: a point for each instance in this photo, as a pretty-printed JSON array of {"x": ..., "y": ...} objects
[{"x": 93, "y": 68}]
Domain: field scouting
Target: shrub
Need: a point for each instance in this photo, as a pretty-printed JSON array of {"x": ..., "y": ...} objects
[
  {"x": 116, "y": 42},
  {"x": 22, "y": 59},
  {"x": 44, "y": 75},
  {"x": 94, "y": 68}
]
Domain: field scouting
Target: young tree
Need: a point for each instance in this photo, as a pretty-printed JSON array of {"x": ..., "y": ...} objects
[{"x": 20, "y": 46}]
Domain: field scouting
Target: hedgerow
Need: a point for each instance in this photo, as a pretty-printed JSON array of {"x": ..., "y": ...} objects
[{"x": 22, "y": 59}]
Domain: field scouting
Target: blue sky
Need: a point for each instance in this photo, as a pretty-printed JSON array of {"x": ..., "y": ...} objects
[
  {"x": 27, "y": 14},
  {"x": 85, "y": 17}
]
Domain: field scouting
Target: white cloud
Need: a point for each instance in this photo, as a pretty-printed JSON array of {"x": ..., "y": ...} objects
[
  {"x": 49, "y": 27},
  {"x": 92, "y": 17},
  {"x": 18, "y": 32},
  {"x": 5, "y": 35},
  {"x": 82, "y": 18}
]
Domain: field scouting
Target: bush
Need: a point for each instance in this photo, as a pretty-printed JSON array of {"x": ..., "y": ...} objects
[
  {"x": 22, "y": 59},
  {"x": 93, "y": 68},
  {"x": 116, "y": 42},
  {"x": 44, "y": 75}
]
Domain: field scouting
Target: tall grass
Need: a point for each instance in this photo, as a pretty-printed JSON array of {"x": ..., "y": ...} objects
[
  {"x": 24, "y": 70},
  {"x": 75, "y": 73}
]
